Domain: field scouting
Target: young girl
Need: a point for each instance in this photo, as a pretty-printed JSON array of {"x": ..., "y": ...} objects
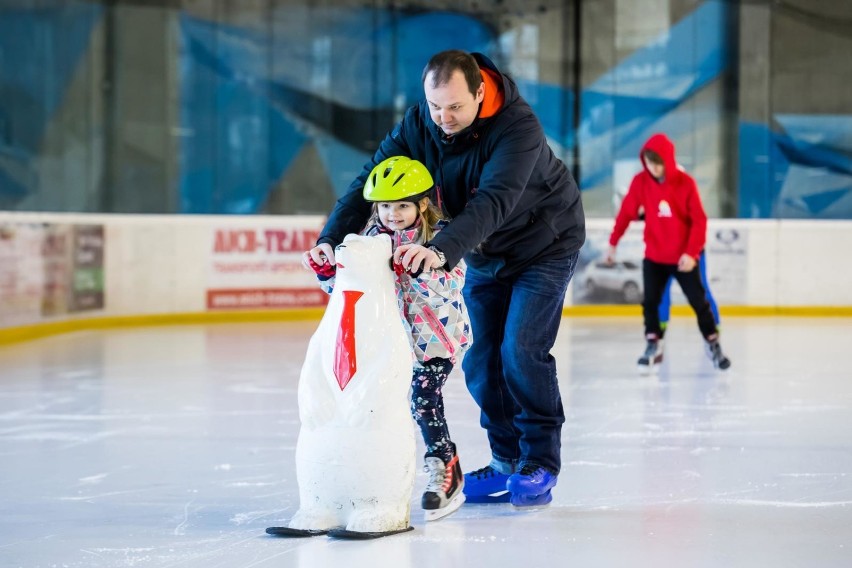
[{"x": 432, "y": 309}]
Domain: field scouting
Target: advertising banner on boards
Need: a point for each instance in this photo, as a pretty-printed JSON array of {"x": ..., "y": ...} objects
[{"x": 261, "y": 267}]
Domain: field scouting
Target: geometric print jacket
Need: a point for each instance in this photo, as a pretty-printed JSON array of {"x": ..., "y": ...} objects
[{"x": 431, "y": 305}]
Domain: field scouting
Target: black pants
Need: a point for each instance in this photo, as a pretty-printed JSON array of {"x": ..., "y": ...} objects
[
  {"x": 427, "y": 407},
  {"x": 655, "y": 276}
]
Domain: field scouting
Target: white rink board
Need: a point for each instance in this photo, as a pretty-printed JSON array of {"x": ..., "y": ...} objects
[{"x": 167, "y": 264}]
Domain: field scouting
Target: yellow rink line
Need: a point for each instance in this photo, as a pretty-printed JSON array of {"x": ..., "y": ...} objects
[
  {"x": 28, "y": 332},
  {"x": 605, "y": 310},
  {"x": 35, "y": 331}
]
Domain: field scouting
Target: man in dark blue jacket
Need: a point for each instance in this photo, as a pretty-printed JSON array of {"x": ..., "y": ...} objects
[{"x": 517, "y": 219}]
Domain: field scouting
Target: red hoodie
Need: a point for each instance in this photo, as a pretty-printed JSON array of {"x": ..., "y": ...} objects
[{"x": 675, "y": 222}]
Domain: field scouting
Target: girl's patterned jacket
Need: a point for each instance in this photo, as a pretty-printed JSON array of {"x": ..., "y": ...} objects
[{"x": 431, "y": 304}]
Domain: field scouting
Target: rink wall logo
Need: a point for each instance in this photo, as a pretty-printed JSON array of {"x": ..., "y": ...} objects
[
  {"x": 271, "y": 298},
  {"x": 261, "y": 267},
  {"x": 240, "y": 241},
  {"x": 598, "y": 282},
  {"x": 49, "y": 270}
]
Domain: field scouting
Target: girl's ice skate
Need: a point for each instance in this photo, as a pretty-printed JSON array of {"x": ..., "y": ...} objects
[{"x": 445, "y": 492}]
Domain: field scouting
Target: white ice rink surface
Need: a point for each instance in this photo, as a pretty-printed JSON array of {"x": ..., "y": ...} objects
[{"x": 174, "y": 447}]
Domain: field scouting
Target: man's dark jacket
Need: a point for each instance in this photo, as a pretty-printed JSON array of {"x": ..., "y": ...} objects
[{"x": 511, "y": 201}]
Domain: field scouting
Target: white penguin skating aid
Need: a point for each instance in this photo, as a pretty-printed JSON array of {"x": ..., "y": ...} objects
[{"x": 355, "y": 456}]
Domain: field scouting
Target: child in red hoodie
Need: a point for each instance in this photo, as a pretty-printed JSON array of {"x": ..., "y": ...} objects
[{"x": 675, "y": 232}]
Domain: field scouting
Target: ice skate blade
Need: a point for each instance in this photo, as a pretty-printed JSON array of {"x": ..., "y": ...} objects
[
  {"x": 357, "y": 535},
  {"x": 452, "y": 507},
  {"x": 294, "y": 533},
  {"x": 521, "y": 500},
  {"x": 493, "y": 498}
]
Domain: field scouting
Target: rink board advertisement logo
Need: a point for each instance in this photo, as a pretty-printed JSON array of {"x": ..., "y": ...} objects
[
  {"x": 49, "y": 269},
  {"x": 597, "y": 282},
  {"x": 261, "y": 268},
  {"x": 22, "y": 274},
  {"x": 73, "y": 257},
  {"x": 87, "y": 268}
]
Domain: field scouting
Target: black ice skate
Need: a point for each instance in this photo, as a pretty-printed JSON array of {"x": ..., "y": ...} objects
[
  {"x": 653, "y": 355},
  {"x": 444, "y": 493},
  {"x": 714, "y": 351}
]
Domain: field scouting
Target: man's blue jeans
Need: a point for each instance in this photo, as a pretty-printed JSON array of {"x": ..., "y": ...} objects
[{"x": 509, "y": 370}]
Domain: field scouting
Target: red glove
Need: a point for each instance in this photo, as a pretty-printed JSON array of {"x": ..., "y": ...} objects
[
  {"x": 325, "y": 270},
  {"x": 398, "y": 269}
]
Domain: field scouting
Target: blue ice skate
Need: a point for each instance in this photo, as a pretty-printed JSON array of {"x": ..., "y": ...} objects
[
  {"x": 486, "y": 485},
  {"x": 531, "y": 486},
  {"x": 521, "y": 500}
]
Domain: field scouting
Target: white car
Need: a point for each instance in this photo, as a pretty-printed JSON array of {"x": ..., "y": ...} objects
[{"x": 622, "y": 278}]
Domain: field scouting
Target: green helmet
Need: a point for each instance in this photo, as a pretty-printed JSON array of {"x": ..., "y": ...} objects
[{"x": 398, "y": 178}]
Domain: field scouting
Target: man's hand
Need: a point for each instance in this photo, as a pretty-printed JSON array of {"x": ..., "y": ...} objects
[
  {"x": 320, "y": 255},
  {"x": 686, "y": 263},
  {"x": 609, "y": 258},
  {"x": 416, "y": 258}
]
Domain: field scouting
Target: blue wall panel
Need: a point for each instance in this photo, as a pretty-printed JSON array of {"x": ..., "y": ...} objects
[{"x": 41, "y": 50}]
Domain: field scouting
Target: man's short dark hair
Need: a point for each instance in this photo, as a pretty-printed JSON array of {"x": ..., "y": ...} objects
[
  {"x": 653, "y": 157},
  {"x": 442, "y": 66}
]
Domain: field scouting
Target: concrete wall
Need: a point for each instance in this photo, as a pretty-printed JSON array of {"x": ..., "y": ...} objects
[{"x": 113, "y": 143}]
